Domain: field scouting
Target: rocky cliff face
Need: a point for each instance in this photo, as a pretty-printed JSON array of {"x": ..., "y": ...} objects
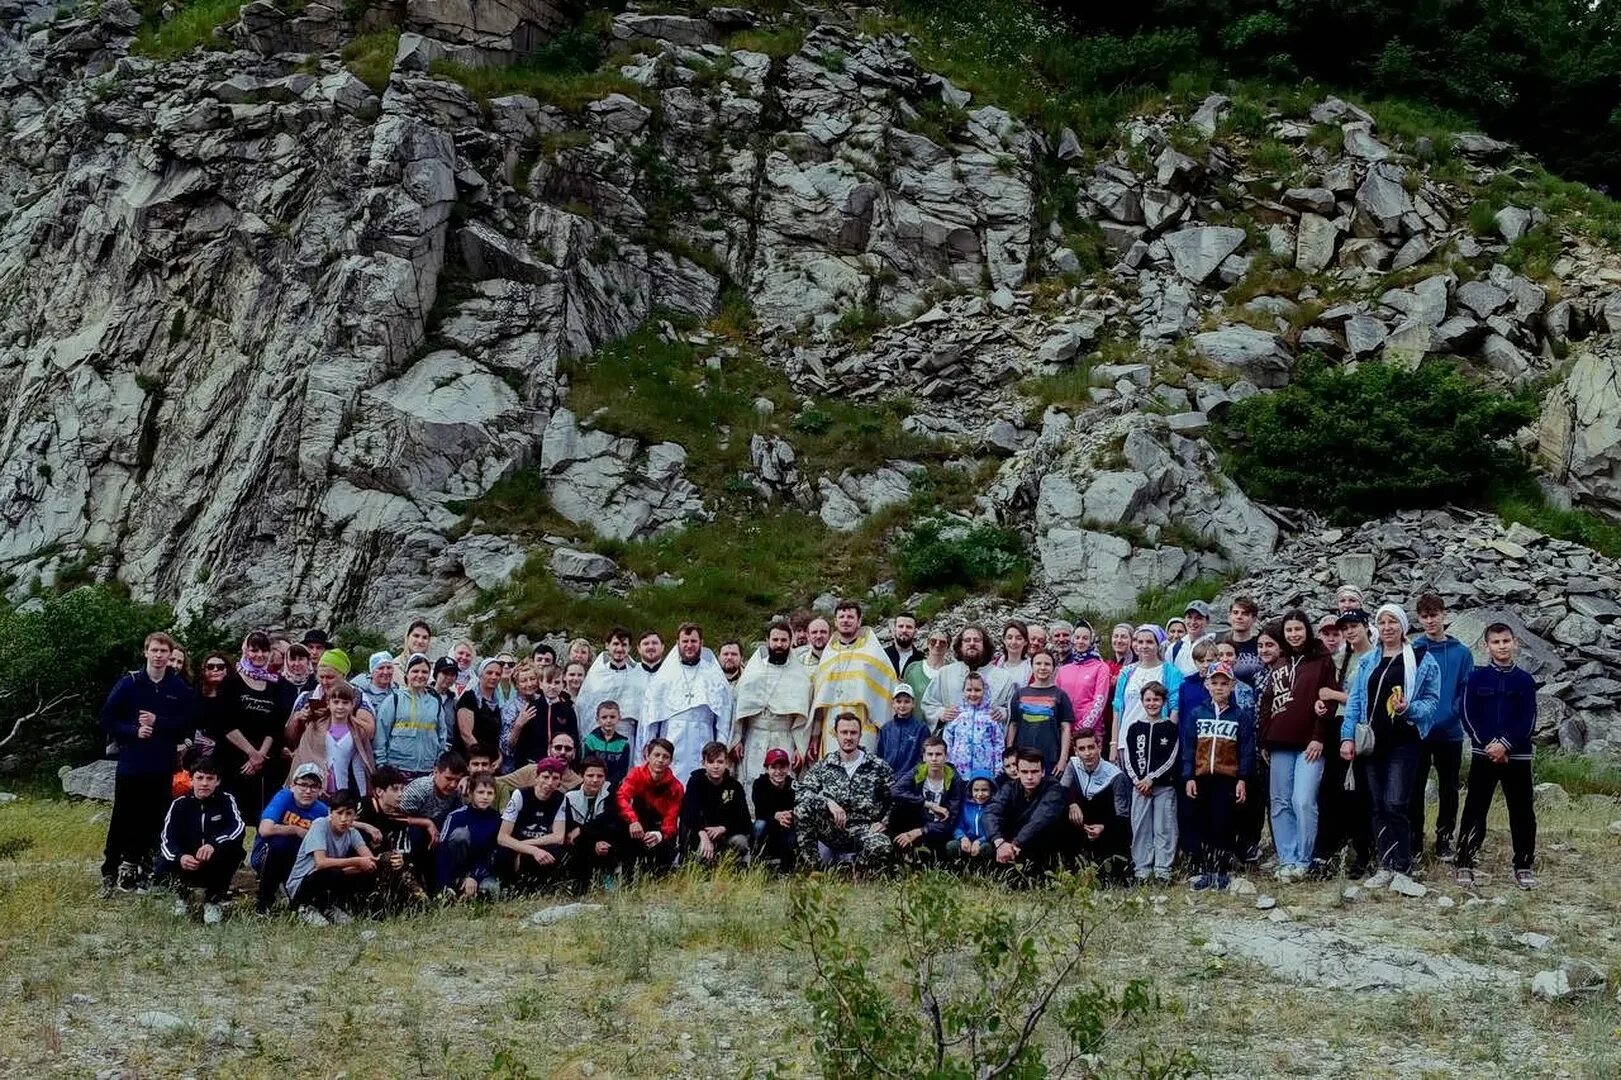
[
  {"x": 238, "y": 373},
  {"x": 267, "y": 330}
]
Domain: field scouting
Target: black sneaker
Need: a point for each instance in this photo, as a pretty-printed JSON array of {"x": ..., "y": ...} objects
[
  {"x": 129, "y": 878},
  {"x": 109, "y": 886},
  {"x": 1443, "y": 850}
]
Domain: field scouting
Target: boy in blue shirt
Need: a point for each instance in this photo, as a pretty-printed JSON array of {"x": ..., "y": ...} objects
[
  {"x": 969, "y": 840},
  {"x": 282, "y": 828},
  {"x": 1443, "y": 746},
  {"x": 468, "y": 842},
  {"x": 1499, "y": 713},
  {"x": 900, "y": 742}
]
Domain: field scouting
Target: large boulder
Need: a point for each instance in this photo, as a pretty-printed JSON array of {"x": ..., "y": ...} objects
[
  {"x": 1256, "y": 355},
  {"x": 92, "y": 781},
  {"x": 1197, "y": 251},
  {"x": 502, "y": 31},
  {"x": 1579, "y": 436},
  {"x": 1102, "y": 573}
]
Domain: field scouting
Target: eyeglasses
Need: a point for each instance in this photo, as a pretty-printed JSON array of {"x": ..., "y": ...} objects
[
  {"x": 214, "y": 667},
  {"x": 558, "y": 748}
]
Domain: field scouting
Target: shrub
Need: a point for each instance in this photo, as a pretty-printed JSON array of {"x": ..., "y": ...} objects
[
  {"x": 59, "y": 655},
  {"x": 1358, "y": 444},
  {"x": 983, "y": 992},
  {"x": 941, "y": 552},
  {"x": 193, "y": 25}
]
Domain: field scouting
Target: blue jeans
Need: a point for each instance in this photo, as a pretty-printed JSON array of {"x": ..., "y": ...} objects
[
  {"x": 1392, "y": 771},
  {"x": 1294, "y": 806}
]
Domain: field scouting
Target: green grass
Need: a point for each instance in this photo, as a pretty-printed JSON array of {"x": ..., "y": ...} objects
[
  {"x": 733, "y": 577},
  {"x": 371, "y": 57},
  {"x": 191, "y": 26},
  {"x": 702, "y": 975},
  {"x": 1524, "y": 502},
  {"x": 1578, "y": 774},
  {"x": 1069, "y": 390},
  {"x": 777, "y": 42},
  {"x": 663, "y": 391},
  {"x": 1159, "y": 604}
]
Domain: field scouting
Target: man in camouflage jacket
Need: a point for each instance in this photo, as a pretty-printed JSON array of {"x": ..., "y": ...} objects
[{"x": 843, "y": 804}]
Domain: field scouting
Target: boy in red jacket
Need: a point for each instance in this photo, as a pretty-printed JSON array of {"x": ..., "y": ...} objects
[{"x": 650, "y": 802}]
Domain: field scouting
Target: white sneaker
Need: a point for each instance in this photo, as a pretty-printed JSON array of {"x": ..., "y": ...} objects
[
  {"x": 339, "y": 917},
  {"x": 1379, "y": 881},
  {"x": 213, "y": 914},
  {"x": 311, "y": 917},
  {"x": 1403, "y": 885},
  {"x": 180, "y": 909}
]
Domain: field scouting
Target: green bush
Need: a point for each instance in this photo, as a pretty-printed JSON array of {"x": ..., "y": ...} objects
[
  {"x": 59, "y": 655},
  {"x": 984, "y": 991},
  {"x": 938, "y": 552},
  {"x": 1358, "y": 444}
]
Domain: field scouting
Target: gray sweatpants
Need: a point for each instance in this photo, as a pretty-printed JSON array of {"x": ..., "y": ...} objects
[{"x": 1153, "y": 831}]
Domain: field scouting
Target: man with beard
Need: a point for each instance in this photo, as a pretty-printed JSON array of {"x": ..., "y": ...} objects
[
  {"x": 853, "y": 676},
  {"x": 731, "y": 661},
  {"x": 689, "y": 702},
  {"x": 650, "y": 647},
  {"x": 944, "y": 696},
  {"x": 902, "y": 649},
  {"x": 614, "y": 677},
  {"x": 773, "y": 707}
]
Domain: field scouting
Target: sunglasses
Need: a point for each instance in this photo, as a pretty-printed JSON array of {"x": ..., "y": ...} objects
[
  {"x": 558, "y": 748},
  {"x": 214, "y": 667}
]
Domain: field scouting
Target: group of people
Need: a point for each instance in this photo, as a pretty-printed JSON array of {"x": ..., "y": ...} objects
[{"x": 822, "y": 746}]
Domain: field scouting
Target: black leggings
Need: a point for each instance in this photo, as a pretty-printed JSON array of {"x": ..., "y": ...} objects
[{"x": 1518, "y": 793}]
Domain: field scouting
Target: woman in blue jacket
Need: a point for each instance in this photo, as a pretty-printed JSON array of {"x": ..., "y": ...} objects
[{"x": 1396, "y": 694}]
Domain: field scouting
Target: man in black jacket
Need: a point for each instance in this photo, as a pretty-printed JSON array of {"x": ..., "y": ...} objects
[
  {"x": 201, "y": 842},
  {"x": 147, "y": 714},
  {"x": 1023, "y": 819}
]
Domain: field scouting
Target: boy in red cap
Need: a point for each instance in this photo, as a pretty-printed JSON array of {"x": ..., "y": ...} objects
[{"x": 773, "y": 796}]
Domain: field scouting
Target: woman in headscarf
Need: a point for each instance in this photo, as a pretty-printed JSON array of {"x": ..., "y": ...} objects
[
  {"x": 1149, "y": 667},
  {"x": 1396, "y": 695},
  {"x": 1088, "y": 680},
  {"x": 248, "y": 746}
]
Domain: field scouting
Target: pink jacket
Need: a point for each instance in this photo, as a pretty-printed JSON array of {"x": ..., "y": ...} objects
[{"x": 1088, "y": 685}]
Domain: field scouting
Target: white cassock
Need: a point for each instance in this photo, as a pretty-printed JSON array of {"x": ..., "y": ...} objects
[
  {"x": 625, "y": 687},
  {"x": 773, "y": 712},
  {"x": 689, "y": 704}
]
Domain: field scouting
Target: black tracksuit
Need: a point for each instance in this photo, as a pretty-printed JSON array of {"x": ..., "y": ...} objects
[
  {"x": 191, "y": 823},
  {"x": 1499, "y": 706},
  {"x": 141, "y": 791}
]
